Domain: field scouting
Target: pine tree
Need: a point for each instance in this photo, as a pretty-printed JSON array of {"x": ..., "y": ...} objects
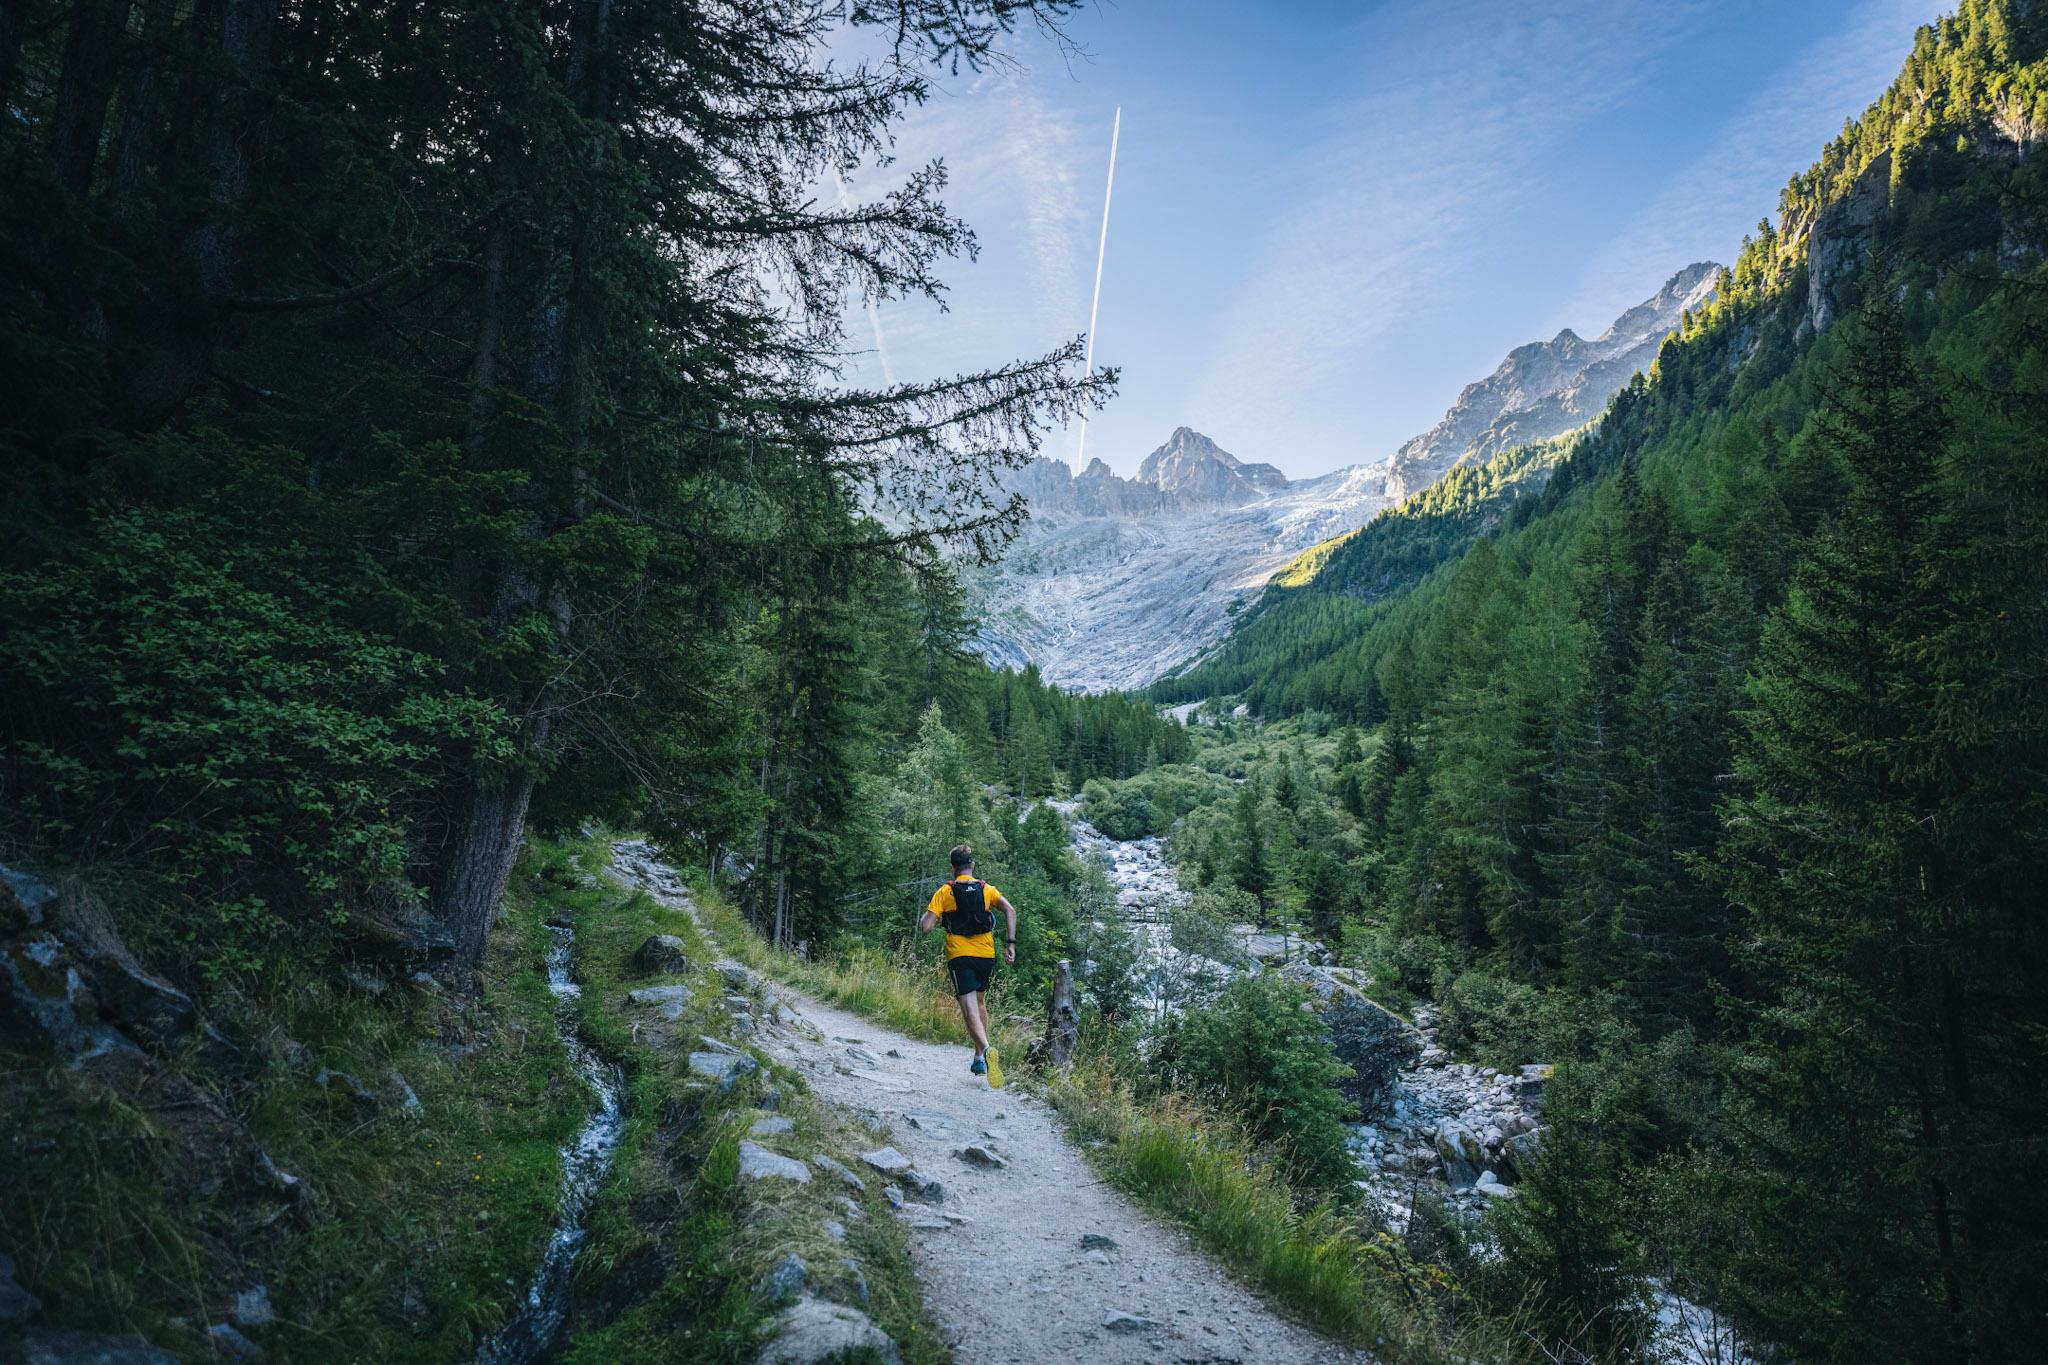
[{"x": 1879, "y": 1065}]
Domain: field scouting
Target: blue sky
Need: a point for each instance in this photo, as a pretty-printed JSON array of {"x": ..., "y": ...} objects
[{"x": 1329, "y": 217}]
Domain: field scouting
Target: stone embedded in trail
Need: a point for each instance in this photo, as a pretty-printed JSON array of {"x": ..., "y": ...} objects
[
  {"x": 770, "y": 1126},
  {"x": 669, "y": 1001},
  {"x": 738, "y": 1002},
  {"x": 1096, "y": 1241},
  {"x": 847, "y": 1177},
  {"x": 67, "y": 1346},
  {"x": 758, "y": 1163},
  {"x": 887, "y": 1160},
  {"x": 722, "y": 1067},
  {"x": 921, "y": 1187},
  {"x": 1127, "y": 1322},
  {"x": 928, "y": 1222},
  {"x": 789, "y": 1278},
  {"x": 736, "y": 976},
  {"x": 711, "y": 1044},
  {"x": 661, "y": 955},
  {"x": 894, "y": 1196},
  {"x": 981, "y": 1154},
  {"x": 812, "y": 1332}
]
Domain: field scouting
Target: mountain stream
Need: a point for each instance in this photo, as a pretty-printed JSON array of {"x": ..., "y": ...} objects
[{"x": 585, "y": 1159}]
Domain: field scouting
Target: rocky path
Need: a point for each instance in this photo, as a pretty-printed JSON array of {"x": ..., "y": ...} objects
[{"x": 1035, "y": 1260}]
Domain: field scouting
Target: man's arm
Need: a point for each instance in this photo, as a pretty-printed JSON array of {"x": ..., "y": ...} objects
[
  {"x": 1009, "y": 933},
  {"x": 926, "y": 921}
]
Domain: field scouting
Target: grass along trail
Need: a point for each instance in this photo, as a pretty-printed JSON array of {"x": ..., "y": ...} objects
[{"x": 1002, "y": 1254}]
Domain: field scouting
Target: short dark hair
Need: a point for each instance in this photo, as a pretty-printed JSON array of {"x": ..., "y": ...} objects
[{"x": 963, "y": 857}]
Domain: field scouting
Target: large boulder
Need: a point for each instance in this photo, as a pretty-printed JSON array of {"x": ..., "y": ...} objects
[
  {"x": 812, "y": 1332},
  {"x": 758, "y": 1163},
  {"x": 661, "y": 955},
  {"x": 46, "y": 1001},
  {"x": 1377, "y": 1044}
]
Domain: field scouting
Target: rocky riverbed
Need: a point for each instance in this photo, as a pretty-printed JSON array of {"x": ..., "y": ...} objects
[{"x": 1459, "y": 1129}]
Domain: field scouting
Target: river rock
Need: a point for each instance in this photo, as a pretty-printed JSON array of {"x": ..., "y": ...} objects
[
  {"x": 16, "y": 1303},
  {"x": 68, "y": 1346},
  {"x": 789, "y": 1278},
  {"x": 661, "y": 955},
  {"x": 758, "y": 1163},
  {"x": 846, "y": 1177},
  {"x": 668, "y": 1001},
  {"x": 887, "y": 1161},
  {"x": 813, "y": 1331}
]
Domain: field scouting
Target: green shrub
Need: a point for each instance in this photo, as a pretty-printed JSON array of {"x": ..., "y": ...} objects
[
  {"x": 189, "y": 699},
  {"x": 1503, "y": 1023},
  {"x": 1259, "y": 1054},
  {"x": 1121, "y": 810}
]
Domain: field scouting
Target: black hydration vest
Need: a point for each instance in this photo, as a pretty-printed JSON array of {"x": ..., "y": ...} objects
[{"x": 969, "y": 915}]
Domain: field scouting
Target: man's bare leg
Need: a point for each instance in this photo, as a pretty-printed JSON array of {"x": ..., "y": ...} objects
[
  {"x": 976, "y": 1016},
  {"x": 988, "y": 1030}
]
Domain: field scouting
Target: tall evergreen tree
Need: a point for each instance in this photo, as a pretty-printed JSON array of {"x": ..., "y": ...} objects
[{"x": 1880, "y": 1068}]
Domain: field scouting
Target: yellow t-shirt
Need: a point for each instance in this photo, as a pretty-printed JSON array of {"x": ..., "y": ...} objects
[{"x": 969, "y": 945}]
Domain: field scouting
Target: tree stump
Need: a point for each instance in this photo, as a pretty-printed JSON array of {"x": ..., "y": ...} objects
[{"x": 1063, "y": 1020}]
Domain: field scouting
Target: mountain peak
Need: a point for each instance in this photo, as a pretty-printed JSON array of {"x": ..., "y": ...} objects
[
  {"x": 1546, "y": 388},
  {"x": 1194, "y": 468}
]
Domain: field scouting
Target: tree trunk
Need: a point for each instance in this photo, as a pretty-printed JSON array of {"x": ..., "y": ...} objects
[
  {"x": 479, "y": 865},
  {"x": 92, "y": 56},
  {"x": 1063, "y": 1018},
  {"x": 135, "y": 140}
]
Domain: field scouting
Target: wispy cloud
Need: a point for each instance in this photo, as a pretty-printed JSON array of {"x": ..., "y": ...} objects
[
  {"x": 1005, "y": 143},
  {"x": 1464, "y": 99},
  {"x": 1704, "y": 209}
]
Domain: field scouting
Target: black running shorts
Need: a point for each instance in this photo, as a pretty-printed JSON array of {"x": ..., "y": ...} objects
[{"x": 971, "y": 974}]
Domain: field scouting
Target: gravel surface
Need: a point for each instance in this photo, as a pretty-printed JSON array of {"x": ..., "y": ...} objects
[{"x": 1001, "y": 1254}]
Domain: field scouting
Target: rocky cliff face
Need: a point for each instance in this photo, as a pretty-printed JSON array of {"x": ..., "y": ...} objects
[
  {"x": 1546, "y": 388},
  {"x": 1187, "y": 474},
  {"x": 1117, "y": 581}
]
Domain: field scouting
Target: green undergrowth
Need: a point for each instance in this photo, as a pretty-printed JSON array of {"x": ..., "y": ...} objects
[
  {"x": 1323, "y": 1262},
  {"x": 676, "y": 1240},
  {"x": 131, "y": 1201},
  {"x": 903, "y": 990}
]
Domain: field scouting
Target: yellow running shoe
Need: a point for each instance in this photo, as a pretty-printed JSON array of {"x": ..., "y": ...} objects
[{"x": 995, "y": 1069}]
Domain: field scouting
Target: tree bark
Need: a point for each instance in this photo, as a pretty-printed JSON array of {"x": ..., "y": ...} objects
[
  {"x": 1063, "y": 1019},
  {"x": 85, "y": 84}
]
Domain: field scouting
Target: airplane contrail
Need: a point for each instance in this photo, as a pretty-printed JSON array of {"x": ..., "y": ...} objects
[{"x": 1101, "y": 249}]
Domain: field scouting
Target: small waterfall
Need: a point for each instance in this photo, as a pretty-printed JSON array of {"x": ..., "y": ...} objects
[{"x": 584, "y": 1161}]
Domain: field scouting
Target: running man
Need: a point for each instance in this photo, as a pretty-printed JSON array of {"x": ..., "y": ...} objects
[{"x": 966, "y": 906}]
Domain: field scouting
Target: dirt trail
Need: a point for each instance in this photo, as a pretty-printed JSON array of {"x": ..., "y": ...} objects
[{"x": 1012, "y": 1285}]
